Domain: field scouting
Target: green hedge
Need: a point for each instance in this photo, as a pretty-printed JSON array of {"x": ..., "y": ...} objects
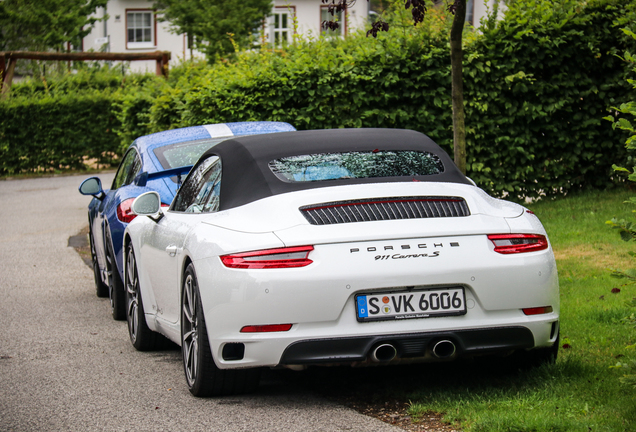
[
  {"x": 56, "y": 133},
  {"x": 537, "y": 85},
  {"x": 68, "y": 120}
]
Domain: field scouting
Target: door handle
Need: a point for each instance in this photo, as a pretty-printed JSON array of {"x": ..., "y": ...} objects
[{"x": 172, "y": 250}]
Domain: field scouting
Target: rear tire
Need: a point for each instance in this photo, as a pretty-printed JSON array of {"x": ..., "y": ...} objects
[
  {"x": 115, "y": 286},
  {"x": 203, "y": 377},
  {"x": 142, "y": 338},
  {"x": 101, "y": 289},
  {"x": 539, "y": 356}
]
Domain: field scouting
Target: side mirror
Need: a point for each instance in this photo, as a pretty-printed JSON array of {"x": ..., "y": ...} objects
[
  {"x": 92, "y": 186},
  {"x": 148, "y": 204}
]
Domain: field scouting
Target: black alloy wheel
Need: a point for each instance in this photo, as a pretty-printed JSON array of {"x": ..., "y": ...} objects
[
  {"x": 101, "y": 289},
  {"x": 142, "y": 338},
  {"x": 115, "y": 285},
  {"x": 203, "y": 377}
]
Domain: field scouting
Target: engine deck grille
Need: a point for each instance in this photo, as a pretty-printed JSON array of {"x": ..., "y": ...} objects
[{"x": 385, "y": 209}]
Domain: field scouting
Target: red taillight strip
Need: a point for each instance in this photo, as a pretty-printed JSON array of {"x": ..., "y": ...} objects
[
  {"x": 537, "y": 310},
  {"x": 266, "y": 328},
  {"x": 124, "y": 212},
  {"x": 289, "y": 257},
  {"x": 518, "y": 243}
]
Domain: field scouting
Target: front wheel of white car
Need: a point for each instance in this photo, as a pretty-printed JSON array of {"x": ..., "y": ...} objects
[
  {"x": 203, "y": 377},
  {"x": 142, "y": 338}
]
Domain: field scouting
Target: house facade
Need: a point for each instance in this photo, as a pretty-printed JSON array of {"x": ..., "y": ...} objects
[{"x": 132, "y": 27}]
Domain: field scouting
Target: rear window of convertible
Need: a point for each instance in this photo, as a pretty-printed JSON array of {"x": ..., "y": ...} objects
[{"x": 355, "y": 165}]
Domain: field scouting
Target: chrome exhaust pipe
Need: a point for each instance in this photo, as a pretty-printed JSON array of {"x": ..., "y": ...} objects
[
  {"x": 383, "y": 353},
  {"x": 444, "y": 349}
]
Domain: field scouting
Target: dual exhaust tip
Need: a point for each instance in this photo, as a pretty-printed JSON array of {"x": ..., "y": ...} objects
[
  {"x": 383, "y": 353},
  {"x": 386, "y": 352}
]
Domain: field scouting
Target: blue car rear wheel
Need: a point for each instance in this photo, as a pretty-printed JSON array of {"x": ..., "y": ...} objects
[
  {"x": 101, "y": 289},
  {"x": 115, "y": 285}
]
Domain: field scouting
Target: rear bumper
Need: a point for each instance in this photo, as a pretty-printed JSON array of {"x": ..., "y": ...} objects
[{"x": 407, "y": 346}]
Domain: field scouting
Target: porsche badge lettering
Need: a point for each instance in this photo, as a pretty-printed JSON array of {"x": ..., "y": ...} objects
[{"x": 404, "y": 247}]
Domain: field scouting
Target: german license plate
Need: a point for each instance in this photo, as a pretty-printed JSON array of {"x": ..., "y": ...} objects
[{"x": 411, "y": 304}]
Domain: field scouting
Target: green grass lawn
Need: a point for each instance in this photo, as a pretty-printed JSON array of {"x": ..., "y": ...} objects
[{"x": 580, "y": 392}]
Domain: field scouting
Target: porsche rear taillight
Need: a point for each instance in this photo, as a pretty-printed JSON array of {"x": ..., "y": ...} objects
[
  {"x": 270, "y": 258},
  {"x": 518, "y": 243},
  {"x": 124, "y": 212}
]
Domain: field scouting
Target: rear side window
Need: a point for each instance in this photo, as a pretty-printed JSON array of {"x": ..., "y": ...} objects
[
  {"x": 128, "y": 169},
  {"x": 355, "y": 165},
  {"x": 201, "y": 191}
]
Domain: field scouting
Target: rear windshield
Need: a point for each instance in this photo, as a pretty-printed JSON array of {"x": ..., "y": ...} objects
[
  {"x": 184, "y": 153},
  {"x": 355, "y": 165}
]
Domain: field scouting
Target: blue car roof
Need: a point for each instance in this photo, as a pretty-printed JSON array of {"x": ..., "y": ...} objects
[{"x": 146, "y": 144}]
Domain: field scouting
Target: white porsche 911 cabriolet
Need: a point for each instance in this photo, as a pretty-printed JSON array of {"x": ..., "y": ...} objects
[{"x": 332, "y": 247}]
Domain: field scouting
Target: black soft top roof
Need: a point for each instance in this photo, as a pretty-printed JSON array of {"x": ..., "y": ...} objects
[{"x": 246, "y": 175}]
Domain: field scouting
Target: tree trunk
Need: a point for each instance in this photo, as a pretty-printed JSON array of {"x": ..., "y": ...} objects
[
  {"x": 7, "y": 79},
  {"x": 459, "y": 128}
]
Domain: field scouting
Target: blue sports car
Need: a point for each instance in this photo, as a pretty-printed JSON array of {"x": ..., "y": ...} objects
[{"x": 152, "y": 163}]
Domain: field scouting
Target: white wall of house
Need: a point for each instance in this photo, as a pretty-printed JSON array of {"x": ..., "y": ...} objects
[
  {"x": 481, "y": 7},
  {"x": 148, "y": 35},
  {"x": 132, "y": 27},
  {"x": 309, "y": 15}
]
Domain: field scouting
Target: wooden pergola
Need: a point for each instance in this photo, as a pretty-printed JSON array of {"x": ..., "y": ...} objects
[{"x": 9, "y": 58}]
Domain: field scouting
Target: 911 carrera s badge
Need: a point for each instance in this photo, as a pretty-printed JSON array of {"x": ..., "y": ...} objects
[{"x": 400, "y": 256}]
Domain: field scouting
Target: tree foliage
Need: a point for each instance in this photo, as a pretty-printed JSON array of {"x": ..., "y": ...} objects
[
  {"x": 418, "y": 11},
  {"x": 536, "y": 85},
  {"x": 622, "y": 119},
  {"x": 215, "y": 25},
  {"x": 37, "y": 25},
  {"x": 625, "y": 114}
]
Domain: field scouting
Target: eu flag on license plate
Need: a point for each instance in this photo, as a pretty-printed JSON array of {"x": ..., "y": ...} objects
[{"x": 363, "y": 312}]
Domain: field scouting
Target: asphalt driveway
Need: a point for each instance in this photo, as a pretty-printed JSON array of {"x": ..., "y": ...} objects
[{"x": 66, "y": 365}]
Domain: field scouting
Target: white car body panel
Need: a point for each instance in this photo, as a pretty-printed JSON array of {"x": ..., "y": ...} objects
[
  {"x": 339, "y": 247},
  {"x": 319, "y": 300},
  {"x": 243, "y": 218}
]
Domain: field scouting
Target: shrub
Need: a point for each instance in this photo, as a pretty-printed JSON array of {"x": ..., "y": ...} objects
[
  {"x": 627, "y": 229},
  {"x": 63, "y": 120},
  {"x": 536, "y": 85},
  {"x": 539, "y": 83},
  {"x": 53, "y": 133}
]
